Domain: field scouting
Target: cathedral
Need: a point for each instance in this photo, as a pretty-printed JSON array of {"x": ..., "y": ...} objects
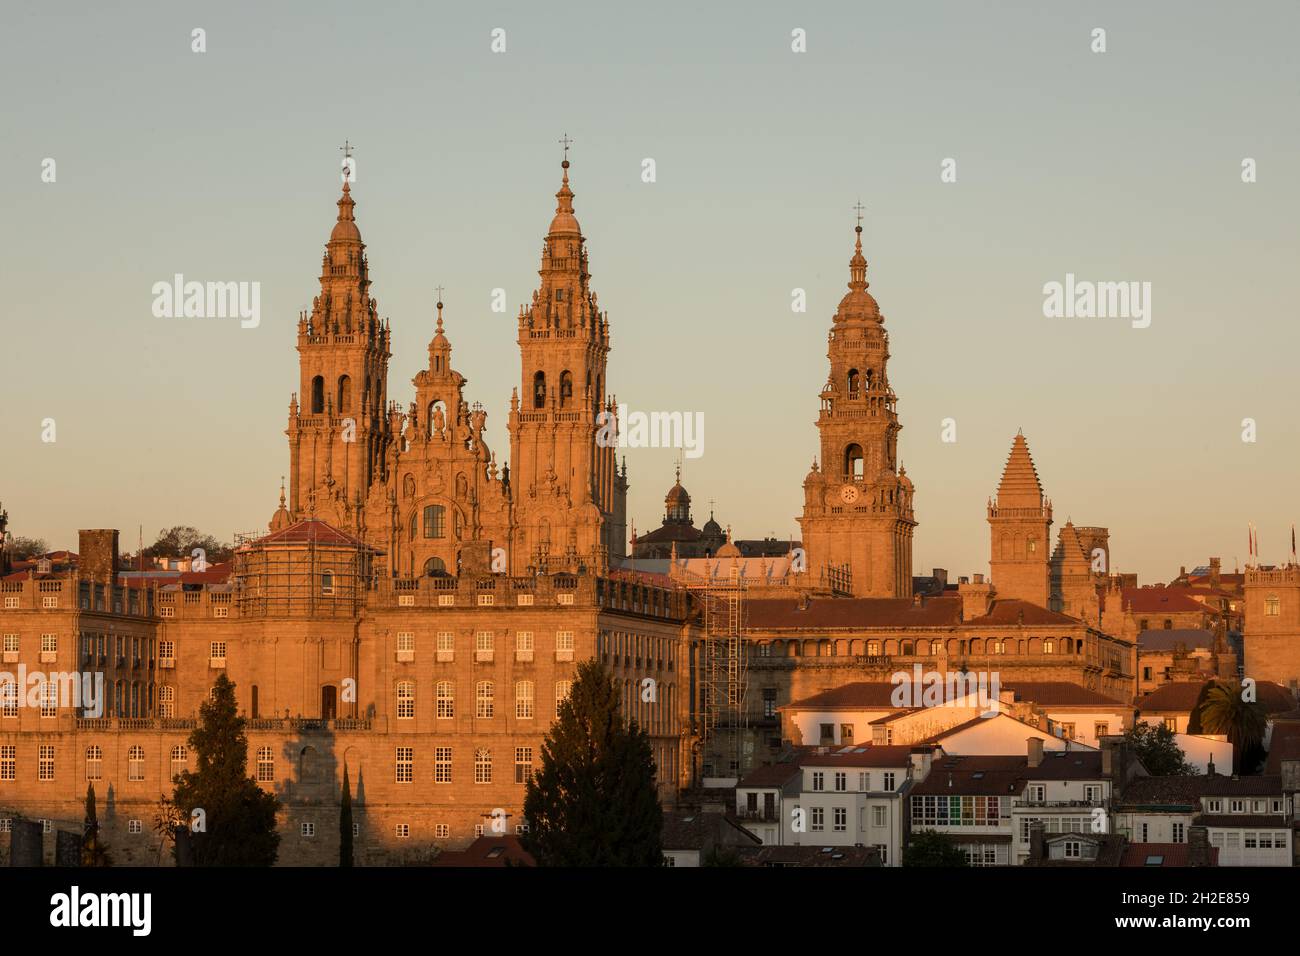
[
  {"x": 416, "y": 608},
  {"x": 419, "y": 485}
]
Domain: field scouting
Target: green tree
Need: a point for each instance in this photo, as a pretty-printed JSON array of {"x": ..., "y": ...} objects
[
  {"x": 593, "y": 802},
  {"x": 93, "y": 852},
  {"x": 1194, "y": 718},
  {"x": 1225, "y": 710},
  {"x": 237, "y": 823},
  {"x": 932, "y": 848},
  {"x": 25, "y": 548},
  {"x": 345, "y": 822},
  {"x": 180, "y": 542},
  {"x": 1156, "y": 748}
]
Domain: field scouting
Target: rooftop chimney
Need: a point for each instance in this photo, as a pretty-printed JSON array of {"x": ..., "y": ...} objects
[
  {"x": 1198, "y": 847},
  {"x": 97, "y": 554},
  {"x": 1035, "y": 751}
]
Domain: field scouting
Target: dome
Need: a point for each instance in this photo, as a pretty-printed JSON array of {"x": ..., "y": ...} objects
[
  {"x": 677, "y": 496},
  {"x": 712, "y": 529},
  {"x": 564, "y": 223},
  {"x": 346, "y": 227}
]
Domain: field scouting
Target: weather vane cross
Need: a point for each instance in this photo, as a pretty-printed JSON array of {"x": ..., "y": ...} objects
[
  {"x": 347, "y": 148},
  {"x": 859, "y": 207},
  {"x": 566, "y": 143},
  {"x": 438, "y": 289}
]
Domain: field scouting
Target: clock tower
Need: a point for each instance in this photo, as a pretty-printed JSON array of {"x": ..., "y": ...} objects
[{"x": 857, "y": 520}]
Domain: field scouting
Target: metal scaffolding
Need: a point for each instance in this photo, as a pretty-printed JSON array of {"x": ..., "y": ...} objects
[{"x": 724, "y": 676}]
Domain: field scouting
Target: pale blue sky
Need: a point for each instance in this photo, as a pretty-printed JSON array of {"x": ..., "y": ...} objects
[{"x": 1115, "y": 166}]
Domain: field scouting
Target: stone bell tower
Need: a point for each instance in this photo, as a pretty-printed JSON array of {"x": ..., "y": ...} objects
[{"x": 857, "y": 521}]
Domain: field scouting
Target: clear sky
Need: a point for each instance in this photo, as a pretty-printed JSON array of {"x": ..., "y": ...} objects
[{"x": 1115, "y": 166}]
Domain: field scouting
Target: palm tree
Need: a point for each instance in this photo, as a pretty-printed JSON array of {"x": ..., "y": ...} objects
[{"x": 1224, "y": 710}]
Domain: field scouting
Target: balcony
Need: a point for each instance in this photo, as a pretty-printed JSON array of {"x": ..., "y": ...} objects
[
  {"x": 759, "y": 816},
  {"x": 564, "y": 655},
  {"x": 217, "y": 663},
  {"x": 524, "y": 655},
  {"x": 446, "y": 655},
  {"x": 167, "y": 663},
  {"x": 11, "y": 657},
  {"x": 47, "y": 657},
  {"x": 484, "y": 655},
  {"x": 405, "y": 657}
]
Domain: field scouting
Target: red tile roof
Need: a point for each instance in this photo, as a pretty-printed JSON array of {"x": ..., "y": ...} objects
[
  {"x": 1161, "y": 599},
  {"x": 1169, "y": 854},
  {"x": 310, "y": 531},
  {"x": 1059, "y": 694},
  {"x": 1181, "y": 696},
  {"x": 487, "y": 851},
  {"x": 823, "y": 613},
  {"x": 865, "y": 755}
]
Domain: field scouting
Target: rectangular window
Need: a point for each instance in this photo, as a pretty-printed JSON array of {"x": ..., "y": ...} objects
[
  {"x": 49, "y": 644},
  {"x": 841, "y": 819},
  {"x": 8, "y": 762},
  {"x": 446, "y": 645},
  {"x": 818, "y": 816},
  {"x": 45, "y": 770},
  {"x": 402, "y": 831},
  {"x": 9, "y": 698},
  {"x": 889, "y": 781},
  {"x": 523, "y": 764},
  {"x": 406, "y": 645},
  {"x": 49, "y": 699},
  {"x": 769, "y": 702},
  {"x": 1101, "y": 730},
  {"x": 841, "y": 782},
  {"x": 135, "y": 826},
  {"x": 483, "y": 645},
  {"x": 308, "y": 830},
  {"x": 877, "y": 816},
  {"x": 564, "y": 645},
  {"x": 523, "y": 645},
  {"x": 442, "y": 765},
  {"x": 1179, "y": 835},
  {"x": 483, "y": 766},
  {"x": 441, "y": 831},
  {"x": 405, "y": 764},
  {"x": 218, "y": 653},
  {"x": 818, "y": 780}
]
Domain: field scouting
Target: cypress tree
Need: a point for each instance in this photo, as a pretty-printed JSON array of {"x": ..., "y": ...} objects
[
  {"x": 593, "y": 802},
  {"x": 238, "y": 818},
  {"x": 345, "y": 822},
  {"x": 93, "y": 852}
]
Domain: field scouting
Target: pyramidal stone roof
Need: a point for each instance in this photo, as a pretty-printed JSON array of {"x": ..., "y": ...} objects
[{"x": 1020, "y": 487}]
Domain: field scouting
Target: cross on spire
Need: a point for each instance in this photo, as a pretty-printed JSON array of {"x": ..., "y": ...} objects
[
  {"x": 438, "y": 289},
  {"x": 859, "y": 207},
  {"x": 566, "y": 143},
  {"x": 347, "y": 148}
]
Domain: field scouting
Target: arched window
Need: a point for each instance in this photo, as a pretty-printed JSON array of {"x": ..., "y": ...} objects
[
  {"x": 405, "y": 700},
  {"x": 265, "y": 765},
  {"x": 415, "y": 524},
  {"x": 853, "y": 381},
  {"x": 483, "y": 766},
  {"x": 345, "y": 394},
  {"x": 180, "y": 759},
  {"x": 524, "y": 700},
  {"x": 308, "y": 765},
  {"x": 853, "y": 461},
  {"x": 484, "y": 699},
  {"x": 94, "y": 763},
  {"x": 566, "y": 389},
  {"x": 166, "y": 701},
  {"x": 435, "y": 521},
  {"x": 318, "y": 395},
  {"x": 435, "y": 567},
  {"x": 135, "y": 763},
  {"x": 539, "y": 390},
  {"x": 446, "y": 700}
]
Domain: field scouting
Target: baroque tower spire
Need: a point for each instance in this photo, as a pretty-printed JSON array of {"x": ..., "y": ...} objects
[
  {"x": 570, "y": 498},
  {"x": 858, "y": 520},
  {"x": 339, "y": 432},
  {"x": 1020, "y": 520}
]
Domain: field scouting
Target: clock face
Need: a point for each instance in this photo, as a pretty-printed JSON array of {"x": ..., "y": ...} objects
[{"x": 849, "y": 494}]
